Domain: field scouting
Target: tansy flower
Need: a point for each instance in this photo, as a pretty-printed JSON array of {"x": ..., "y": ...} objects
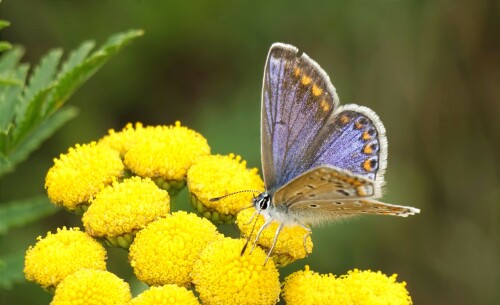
[
  {"x": 92, "y": 287},
  {"x": 355, "y": 288},
  {"x": 165, "y": 295},
  {"x": 223, "y": 276},
  {"x": 118, "y": 211},
  {"x": 216, "y": 176},
  {"x": 165, "y": 153},
  {"x": 121, "y": 141},
  {"x": 61, "y": 254},
  {"x": 368, "y": 287},
  {"x": 290, "y": 244},
  {"x": 81, "y": 173},
  {"x": 165, "y": 251}
]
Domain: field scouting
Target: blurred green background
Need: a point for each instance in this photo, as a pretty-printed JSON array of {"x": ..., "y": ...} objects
[{"x": 430, "y": 69}]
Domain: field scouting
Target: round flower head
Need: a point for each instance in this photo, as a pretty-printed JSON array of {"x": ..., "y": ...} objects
[
  {"x": 81, "y": 173},
  {"x": 61, "y": 254},
  {"x": 223, "y": 275},
  {"x": 165, "y": 295},
  {"x": 357, "y": 287},
  {"x": 165, "y": 153},
  {"x": 311, "y": 288},
  {"x": 289, "y": 245},
  {"x": 368, "y": 287},
  {"x": 216, "y": 176},
  {"x": 92, "y": 287},
  {"x": 119, "y": 210},
  {"x": 164, "y": 252}
]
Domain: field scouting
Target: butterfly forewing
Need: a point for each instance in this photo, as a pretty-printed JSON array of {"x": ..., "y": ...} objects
[{"x": 297, "y": 101}]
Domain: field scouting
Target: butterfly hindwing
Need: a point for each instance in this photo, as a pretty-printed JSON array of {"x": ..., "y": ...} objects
[{"x": 297, "y": 101}]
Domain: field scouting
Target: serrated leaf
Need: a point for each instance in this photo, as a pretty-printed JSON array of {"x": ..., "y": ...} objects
[
  {"x": 77, "y": 57},
  {"x": 41, "y": 77},
  {"x": 43, "y": 131},
  {"x": 9, "y": 96},
  {"x": 32, "y": 115},
  {"x": 10, "y": 59},
  {"x": 11, "y": 271},
  {"x": 20, "y": 212},
  {"x": 75, "y": 77}
]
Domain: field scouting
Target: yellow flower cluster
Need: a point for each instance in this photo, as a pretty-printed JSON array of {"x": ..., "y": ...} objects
[
  {"x": 216, "y": 176},
  {"x": 355, "y": 288},
  {"x": 292, "y": 240},
  {"x": 123, "y": 186}
]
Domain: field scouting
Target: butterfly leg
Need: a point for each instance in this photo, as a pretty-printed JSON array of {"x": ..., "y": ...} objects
[
  {"x": 274, "y": 242},
  {"x": 309, "y": 232},
  {"x": 265, "y": 225}
]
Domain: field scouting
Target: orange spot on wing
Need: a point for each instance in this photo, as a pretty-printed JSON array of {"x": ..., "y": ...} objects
[
  {"x": 366, "y": 136},
  {"x": 367, "y": 165},
  {"x": 296, "y": 72},
  {"x": 344, "y": 119},
  {"x": 368, "y": 149},
  {"x": 306, "y": 80},
  {"x": 316, "y": 90},
  {"x": 324, "y": 105},
  {"x": 358, "y": 125}
]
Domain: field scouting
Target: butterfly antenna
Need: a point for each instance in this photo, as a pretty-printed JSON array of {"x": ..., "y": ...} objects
[{"x": 238, "y": 192}]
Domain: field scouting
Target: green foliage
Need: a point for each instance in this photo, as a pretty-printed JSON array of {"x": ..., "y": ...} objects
[{"x": 31, "y": 108}]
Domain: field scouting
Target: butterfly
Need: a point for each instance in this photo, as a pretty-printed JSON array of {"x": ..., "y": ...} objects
[{"x": 321, "y": 161}]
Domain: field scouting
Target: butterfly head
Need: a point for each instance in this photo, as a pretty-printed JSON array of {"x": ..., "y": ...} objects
[{"x": 262, "y": 202}]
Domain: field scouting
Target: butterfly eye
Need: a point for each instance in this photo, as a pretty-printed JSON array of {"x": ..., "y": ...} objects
[{"x": 264, "y": 203}]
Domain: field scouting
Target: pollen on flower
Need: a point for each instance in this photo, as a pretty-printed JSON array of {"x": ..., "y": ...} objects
[
  {"x": 164, "y": 252},
  {"x": 61, "y": 254},
  {"x": 81, "y": 173},
  {"x": 216, "y": 176},
  {"x": 223, "y": 276},
  {"x": 125, "y": 207},
  {"x": 165, "y": 152},
  {"x": 121, "y": 141},
  {"x": 356, "y": 287},
  {"x": 92, "y": 287},
  {"x": 290, "y": 244},
  {"x": 165, "y": 295}
]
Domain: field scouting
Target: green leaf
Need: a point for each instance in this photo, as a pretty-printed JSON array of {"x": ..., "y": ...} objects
[
  {"x": 4, "y": 46},
  {"x": 74, "y": 78},
  {"x": 4, "y": 81},
  {"x": 11, "y": 269},
  {"x": 36, "y": 136},
  {"x": 9, "y": 96},
  {"x": 77, "y": 57},
  {"x": 42, "y": 76},
  {"x": 4, "y": 24},
  {"x": 20, "y": 212},
  {"x": 10, "y": 59},
  {"x": 5, "y": 164}
]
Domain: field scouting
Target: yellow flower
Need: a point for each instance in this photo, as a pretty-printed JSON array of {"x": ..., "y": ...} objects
[
  {"x": 368, "y": 287},
  {"x": 81, "y": 173},
  {"x": 216, "y": 176},
  {"x": 61, "y": 254},
  {"x": 165, "y": 295},
  {"x": 165, "y": 251},
  {"x": 290, "y": 244},
  {"x": 118, "y": 211},
  {"x": 165, "y": 153},
  {"x": 309, "y": 287},
  {"x": 355, "y": 288},
  {"x": 122, "y": 141},
  {"x": 223, "y": 276},
  {"x": 92, "y": 287}
]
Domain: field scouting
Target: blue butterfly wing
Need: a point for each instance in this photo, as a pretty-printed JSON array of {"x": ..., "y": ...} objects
[
  {"x": 297, "y": 101},
  {"x": 303, "y": 127}
]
